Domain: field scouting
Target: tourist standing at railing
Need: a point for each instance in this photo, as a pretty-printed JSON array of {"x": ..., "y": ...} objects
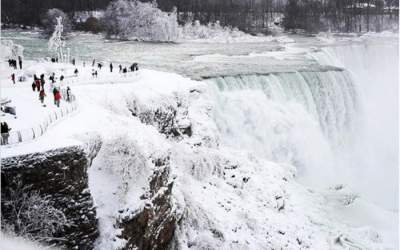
[{"x": 4, "y": 133}]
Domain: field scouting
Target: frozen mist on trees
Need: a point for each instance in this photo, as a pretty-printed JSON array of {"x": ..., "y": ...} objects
[
  {"x": 135, "y": 20},
  {"x": 56, "y": 43}
]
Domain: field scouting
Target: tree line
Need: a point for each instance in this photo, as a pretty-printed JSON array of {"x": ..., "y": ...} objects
[
  {"x": 30, "y": 12},
  {"x": 341, "y": 15},
  {"x": 248, "y": 15}
]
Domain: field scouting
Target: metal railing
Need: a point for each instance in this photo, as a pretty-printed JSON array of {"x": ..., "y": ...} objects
[{"x": 38, "y": 130}]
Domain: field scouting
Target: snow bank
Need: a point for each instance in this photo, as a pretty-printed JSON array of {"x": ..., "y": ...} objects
[{"x": 11, "y": 243}]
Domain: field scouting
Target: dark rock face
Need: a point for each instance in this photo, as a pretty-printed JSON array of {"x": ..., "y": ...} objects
[
  {"x": 61, "y": 175},
  {"x": 153, "y": 227}
]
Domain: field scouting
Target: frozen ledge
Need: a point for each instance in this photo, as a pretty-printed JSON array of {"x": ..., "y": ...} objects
[{"x": 266, "y": 72}]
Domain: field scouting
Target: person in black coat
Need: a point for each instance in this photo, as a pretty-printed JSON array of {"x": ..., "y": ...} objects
[
  {"x": 20, "y": 62},
  {"x": 42, "y": 81},
  {"x": 111, "y": 67},
  {"x": 4, "y": 133},
  {"x": 68, "y": 94},
  {"x": 52, "y": 78}
]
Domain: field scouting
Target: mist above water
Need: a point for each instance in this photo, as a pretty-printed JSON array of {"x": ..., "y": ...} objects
[{"x": 335, "y": 127}]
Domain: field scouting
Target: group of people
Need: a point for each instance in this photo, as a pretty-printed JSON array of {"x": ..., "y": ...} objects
[
  {"x": 123, "y": 70},
  {"x": 39, "y": 83},
  {"x": 13, "y": 63},
  {"x": 134, "y": 67}
]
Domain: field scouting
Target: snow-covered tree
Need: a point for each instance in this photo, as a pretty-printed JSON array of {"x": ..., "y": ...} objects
[
  {"x": 125, "y": 161},
  {"x": 49, "y": 21},
  {"x": 134, "y": 20},
  {"x": 213, "y": 31},
  {"x": 31, "y": 214},
  {"x": 10, "y": 50},
  {"x": 56, "y": 44}
]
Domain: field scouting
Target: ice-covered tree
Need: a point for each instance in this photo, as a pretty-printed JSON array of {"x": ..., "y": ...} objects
[
  {"x": 49, "y": 21},
  {"x": 10, "y": 50},
  {"x": 134, "y": 20},
  {"x": 30, "y": 214},
  {"x": 211, "y": 31},
  {"x": 56, "y": 43}
]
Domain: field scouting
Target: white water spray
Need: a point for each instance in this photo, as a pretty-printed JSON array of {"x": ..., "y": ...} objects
[{"x": 336, "y": 127}]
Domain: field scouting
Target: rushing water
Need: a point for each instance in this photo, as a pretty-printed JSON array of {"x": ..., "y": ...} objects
[
  {"x": 374, "y": 160},
  {"x": 334, "y": 126}
]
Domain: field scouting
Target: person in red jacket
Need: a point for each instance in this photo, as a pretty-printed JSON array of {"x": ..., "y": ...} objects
[
  {"x": 57, "y": 98},
  {"x": 37, "y": 82},
  {"x": 42, "y": 95}
]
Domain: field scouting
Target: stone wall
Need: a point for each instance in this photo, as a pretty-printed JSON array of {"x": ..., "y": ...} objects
[{"x": 61, "y": 175}]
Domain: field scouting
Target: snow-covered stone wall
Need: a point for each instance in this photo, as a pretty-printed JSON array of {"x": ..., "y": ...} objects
[{"x": 60, "y": 177}]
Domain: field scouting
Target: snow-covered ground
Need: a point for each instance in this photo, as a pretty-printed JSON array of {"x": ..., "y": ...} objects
[
  {"x": 11, "y": 243},
  {"x": 229, "y": 196}
]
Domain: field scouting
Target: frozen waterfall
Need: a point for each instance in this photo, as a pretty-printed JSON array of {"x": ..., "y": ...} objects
[{"x": 336, "y": 127}]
